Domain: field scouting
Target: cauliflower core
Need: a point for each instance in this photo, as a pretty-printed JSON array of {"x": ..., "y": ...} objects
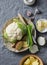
[{"x": 13, "y": 31}]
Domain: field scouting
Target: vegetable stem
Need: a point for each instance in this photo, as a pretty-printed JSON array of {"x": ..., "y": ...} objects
[{"x": 29, "y": 36}]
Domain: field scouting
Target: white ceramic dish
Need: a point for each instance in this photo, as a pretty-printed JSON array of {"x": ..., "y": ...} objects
[{"x": 45, "y": 30}]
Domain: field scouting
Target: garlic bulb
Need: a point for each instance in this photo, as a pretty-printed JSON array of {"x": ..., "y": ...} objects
[
  {"x": 34, "y": 49},
  {"x": 41, "y": 41}
]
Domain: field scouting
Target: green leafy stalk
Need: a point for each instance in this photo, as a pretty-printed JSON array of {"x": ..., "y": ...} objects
[
  {"x": 29, "y": 36},
  {"x": 7, "y": 39}
]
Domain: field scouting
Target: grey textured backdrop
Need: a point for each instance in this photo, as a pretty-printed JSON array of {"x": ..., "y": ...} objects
[{"x": 9, "y": 9}]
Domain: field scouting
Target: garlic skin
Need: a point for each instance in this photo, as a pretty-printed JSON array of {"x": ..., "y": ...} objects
[
  {"x": 13, "y": 31},
  {"x": 34, "y": 49}
]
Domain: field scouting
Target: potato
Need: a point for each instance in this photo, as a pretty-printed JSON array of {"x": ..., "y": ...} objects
[
  {"x": 45, "y": 24},
  {"x": 19, "y": 45},
  {"x": 32, "y": 59},
  {"x": 25, "y": 44},
  {"x": 41, "y": 25},
  {"x": 27, "y": 62},
  {"x": 35, "y": 63}
]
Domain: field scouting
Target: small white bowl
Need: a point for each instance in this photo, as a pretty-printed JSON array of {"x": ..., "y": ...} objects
[
  {"x": 29, "y": 2},
  {"x": 45, "y": 30}
]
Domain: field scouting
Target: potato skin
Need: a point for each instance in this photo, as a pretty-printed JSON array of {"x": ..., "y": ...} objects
[{"x": 19, "y": 45}]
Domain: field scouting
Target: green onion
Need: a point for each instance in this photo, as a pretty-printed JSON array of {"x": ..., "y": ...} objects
[{"x": 29, "y": 36}]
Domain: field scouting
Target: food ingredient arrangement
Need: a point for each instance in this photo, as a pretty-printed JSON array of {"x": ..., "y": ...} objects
[{"x": 19, "y": 34}]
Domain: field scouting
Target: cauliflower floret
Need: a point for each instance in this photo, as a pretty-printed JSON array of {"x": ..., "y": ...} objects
[
  {"x": 10, "y": 29},
  {"x": 19, "y": 34},
  {"x": 14, "y": 32}
]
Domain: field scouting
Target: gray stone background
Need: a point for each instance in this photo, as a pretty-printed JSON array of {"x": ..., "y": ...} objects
[{"x": 9, "y": 9}]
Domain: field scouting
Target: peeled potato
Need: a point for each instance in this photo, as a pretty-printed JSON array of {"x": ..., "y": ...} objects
[
  {"x": 27, "y": 62},
  {"x": 41, "y": 24},
  {"x": 35, "y": 63},
  {"x": 32, "y": 59},
  {"x": 45, "y": 24},
  {"x": 25, "y": 44}
]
